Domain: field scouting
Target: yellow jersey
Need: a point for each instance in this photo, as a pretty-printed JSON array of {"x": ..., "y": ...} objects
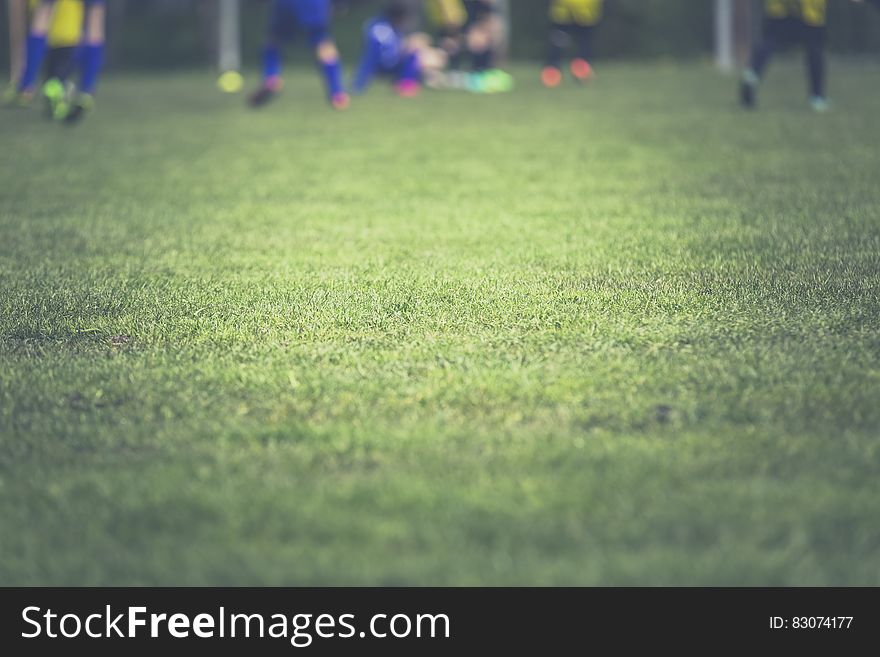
[
  {"x": 811, "y": 12},
  {"x": 67, "y": 23},
  {"x": 576, "y": 12},
  {"x": 447, "y": 13}
]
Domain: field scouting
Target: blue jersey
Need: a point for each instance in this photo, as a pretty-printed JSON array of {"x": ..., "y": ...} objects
[{"x": 384, "y": 52}]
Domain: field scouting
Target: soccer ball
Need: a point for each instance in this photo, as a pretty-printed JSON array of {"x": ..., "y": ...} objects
[{"x": 230, "y": 82}]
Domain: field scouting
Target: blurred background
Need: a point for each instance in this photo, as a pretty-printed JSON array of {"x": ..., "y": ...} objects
[{"x": 188, "y": 30}]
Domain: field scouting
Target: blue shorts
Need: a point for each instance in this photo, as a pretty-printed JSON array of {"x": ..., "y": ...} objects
[{"x": 289, "y": 17}]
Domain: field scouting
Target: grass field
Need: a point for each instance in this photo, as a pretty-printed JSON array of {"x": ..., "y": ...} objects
[{"x": 617, "y": 335}]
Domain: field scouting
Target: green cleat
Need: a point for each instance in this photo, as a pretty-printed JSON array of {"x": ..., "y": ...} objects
[
  {"x": 496, "y": 81},
  {"x": 493, "y": 81},
  {"x": 80, "y": 106},
  {"x": 55, "y": 99},
  {"x": 13, "y": 98},
  {"x": 10, "y": 93},
  {"x": 476, "y": 82}
]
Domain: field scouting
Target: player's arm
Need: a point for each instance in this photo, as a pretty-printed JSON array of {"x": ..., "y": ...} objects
[
  {"x": 368, "y": 66},
  {"x": 17, "y": 12}
]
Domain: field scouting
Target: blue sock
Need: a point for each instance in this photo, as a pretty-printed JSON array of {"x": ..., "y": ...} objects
[
  {"x": 91, "y": 59},
  {"x": 271, "y": 62},
  {"x": 411, "y": 69},
  {"x": 36, "y": 53},
  {"x": 333, "y": 76}
]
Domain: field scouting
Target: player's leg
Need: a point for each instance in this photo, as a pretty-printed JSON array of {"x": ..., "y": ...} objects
[
  {"x": 330, "y": 63},
  {"x": 315, "y": 17},
  {"x": 551, "y": 75},
  {"x": 409, "y": 74},
  {"x": 281, "y": 27},
  {"x": 91, "y": 59},
  {"x": 35, "y": 49},
  {"x": 60, "y": 64},
  {"x": 18, "y": 29},
  {"x": 772, "y": 34},
  {"x": 814, "y": 42},
  {"x": 581, "y": 68}
]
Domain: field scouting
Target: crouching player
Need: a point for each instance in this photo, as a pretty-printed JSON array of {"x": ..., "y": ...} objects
[
  {"x": 287, "y": 17},
  {"x": 386, "y": 53},
  {"x": 571, "y": 21},
  {"x": 449, "y": 18},
  {"x": 790, "y": 22},
  {"x": 481, "y": 33},
  {"x": 89, "y": 49},
  {"x": 484, "y": 35}
]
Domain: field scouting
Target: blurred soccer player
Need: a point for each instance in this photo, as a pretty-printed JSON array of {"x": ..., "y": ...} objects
[
  {"x": 449, "y": 18},
  {"x": 571, "y": 21},
  {"x": 63, "y": 39},
  {"x": 469, "y": 27},
  {"x": 63, "y": 42},
  {"x": 287, "y": 17},
  {"x": 90, "y": 55},
  {"x": 789, "y": 22},
  {"x": 386, "y": 52},
  {"x": 481, "y": 33}
]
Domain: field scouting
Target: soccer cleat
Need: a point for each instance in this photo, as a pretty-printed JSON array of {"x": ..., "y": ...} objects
[
  {"x": 407, "y": 88},
  {"x": 340, "y": 101},
  {"x": 14, "y": 98},
  {"x": 82, "y": 105},
  {"x": 476, "y": 82},
  {"x": 748, "y": 88},
  {"x": 55, "y": 99},
  {"x": 10, "y": 94},
  {"x": 265, "y": 94},
  {"x": 551, "y": 77},
  {"x": 496, "y": 81},
  {"x": 581, "y": 70},
  {"x": 820, "y": 104},
  {"x": 261, "y": 97}
]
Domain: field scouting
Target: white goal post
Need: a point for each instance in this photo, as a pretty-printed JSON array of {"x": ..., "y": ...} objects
[
  {"x": 725, "y": 50},
  {"x": 229, "y": 36},
  {"x": 733, "y": 33},
  {"x": 17, "y": 16}
]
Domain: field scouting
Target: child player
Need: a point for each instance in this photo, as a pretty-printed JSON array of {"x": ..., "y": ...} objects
[
  {"x": 449, "y": 18},
  {"x": 788, "y": 22},
  {"x": 90, "y": 55},
  {"x": 287, "y": 17},
  {"x": 571, "y": 21},
  {"x": 63, "y": 41},
  {"x": 470, "y": 27},
  {"x": 387, "y": 53}
]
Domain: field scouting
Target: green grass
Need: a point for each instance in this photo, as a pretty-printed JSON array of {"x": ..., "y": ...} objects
[{"x": 617, "y": 335}]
